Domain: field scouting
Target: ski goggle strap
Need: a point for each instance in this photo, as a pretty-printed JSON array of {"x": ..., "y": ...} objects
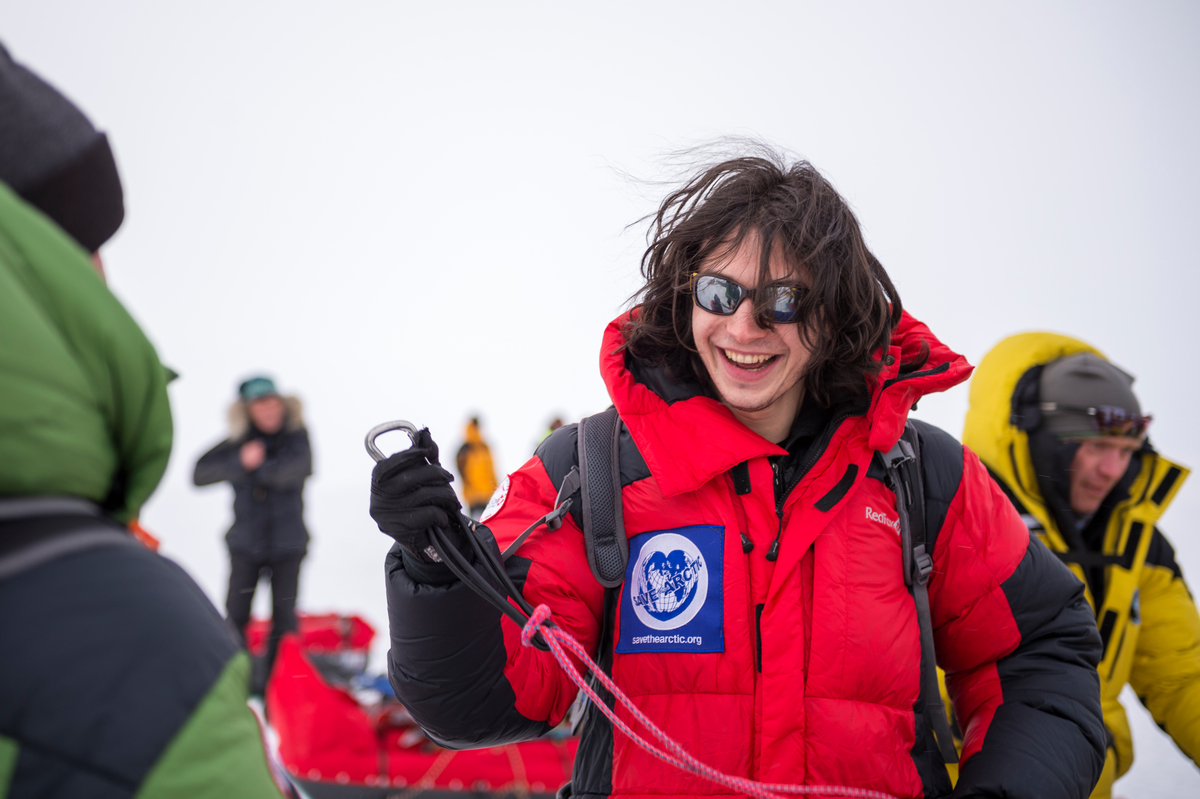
[
  {"x": 1109, "y": 420},
  {"x": 722, "y": 296}
]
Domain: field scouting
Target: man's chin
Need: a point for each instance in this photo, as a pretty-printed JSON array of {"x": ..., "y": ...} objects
[
  {"x": 1089, "y": 508},
  {"x": 748, "y": 405},
  {"x": 748, "y": 409}
]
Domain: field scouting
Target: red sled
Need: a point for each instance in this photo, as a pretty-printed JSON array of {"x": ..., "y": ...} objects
[
  {"x": 323, "y": 633},
  {"x": 337, "y": 747}
]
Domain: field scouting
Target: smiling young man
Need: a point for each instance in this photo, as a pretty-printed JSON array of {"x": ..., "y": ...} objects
[
  {"x": 1063, "y": 433},
  {"x": 763, "y": 619},
  {"x": 755, "y": 370}
]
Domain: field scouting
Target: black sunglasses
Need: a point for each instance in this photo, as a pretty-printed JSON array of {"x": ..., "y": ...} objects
[{"x": 722, "y": 296}]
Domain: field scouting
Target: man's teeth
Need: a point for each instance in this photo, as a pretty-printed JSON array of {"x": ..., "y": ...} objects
[{"x": 747, "y": 360}]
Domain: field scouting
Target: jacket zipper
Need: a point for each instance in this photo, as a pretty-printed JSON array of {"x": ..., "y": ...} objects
[
  {"x": 810, "y": 460},
  {"x": 758, "y": 609},
  {"x": 815, "y": 451}
]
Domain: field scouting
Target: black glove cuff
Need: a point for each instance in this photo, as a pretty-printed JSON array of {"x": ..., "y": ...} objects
[
  {"x": 426, "y": 573},
  {"x": 423, "y": 570}
]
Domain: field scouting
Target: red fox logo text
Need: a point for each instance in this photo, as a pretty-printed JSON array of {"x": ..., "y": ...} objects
[{"x": 877, "y": 516}]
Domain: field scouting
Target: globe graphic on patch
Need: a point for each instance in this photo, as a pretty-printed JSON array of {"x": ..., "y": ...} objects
[{"x": 670, "y": 580}]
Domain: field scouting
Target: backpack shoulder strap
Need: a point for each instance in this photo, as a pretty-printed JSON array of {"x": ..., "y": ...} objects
[
  {"x": 903, "y": 465},
  {"x": 600, "y": 486},
  {"x": 589, "y": 463},
  {"x": 604, "y": 538},
  {"x": 39, "y": 529}
]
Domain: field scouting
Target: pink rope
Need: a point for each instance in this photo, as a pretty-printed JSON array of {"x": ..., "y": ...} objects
[{"x": 560, "y": 643}]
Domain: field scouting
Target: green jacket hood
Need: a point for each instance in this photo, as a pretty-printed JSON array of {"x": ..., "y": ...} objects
[{"x": 83, "y": 400}]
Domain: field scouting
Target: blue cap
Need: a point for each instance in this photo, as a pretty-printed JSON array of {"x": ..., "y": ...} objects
[{"x": 256, "y": 388}]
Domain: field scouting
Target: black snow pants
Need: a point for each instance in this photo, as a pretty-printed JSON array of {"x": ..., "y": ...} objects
[{"x": 244, "y": 575}]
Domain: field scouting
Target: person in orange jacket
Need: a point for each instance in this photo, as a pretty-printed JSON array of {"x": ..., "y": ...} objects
[{"x": 475, "y": 467}]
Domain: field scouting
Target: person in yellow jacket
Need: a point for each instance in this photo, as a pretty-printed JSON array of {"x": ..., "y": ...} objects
[
  {"x": 475, "y": 467},
  {"x": 1062, "y": 432}
]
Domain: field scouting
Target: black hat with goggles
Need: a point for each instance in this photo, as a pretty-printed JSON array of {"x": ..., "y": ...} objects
[{"x": 1085, "y": 396}]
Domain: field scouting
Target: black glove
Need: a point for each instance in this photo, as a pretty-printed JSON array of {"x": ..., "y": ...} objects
[{"x": 410, "y": 493}]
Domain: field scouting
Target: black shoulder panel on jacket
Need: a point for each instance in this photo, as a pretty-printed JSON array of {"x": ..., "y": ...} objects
[
  {"x": 942, "y": 471},
  {"x": 1047, "y": 739},
  {"x": 136, "y": 646},
  {"x": 559, "y": 453}
]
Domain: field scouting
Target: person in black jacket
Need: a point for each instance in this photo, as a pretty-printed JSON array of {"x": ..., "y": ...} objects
[{"x": 267, "y": 459}]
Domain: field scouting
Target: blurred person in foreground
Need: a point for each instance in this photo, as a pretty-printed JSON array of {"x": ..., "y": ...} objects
[
  {"x": 763, "y": 621},
  {"x": 117, "y": 675},
  {"x": 474, "y": 462},
  {"x": 266, "y": 458},
  {"x": 1062, "y": 432}
]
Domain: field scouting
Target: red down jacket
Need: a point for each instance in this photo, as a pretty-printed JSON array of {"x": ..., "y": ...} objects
[{"x": 802, "y": 671}]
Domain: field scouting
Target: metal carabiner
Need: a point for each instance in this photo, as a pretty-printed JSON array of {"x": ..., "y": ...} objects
[
  {"x": 441, "y": 550},
  {"x": 379, "y": 429},
  {"x": 375, "y": 452}
]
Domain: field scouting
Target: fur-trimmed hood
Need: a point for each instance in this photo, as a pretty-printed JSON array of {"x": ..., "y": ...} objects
[{"x": 239, "y": 417}]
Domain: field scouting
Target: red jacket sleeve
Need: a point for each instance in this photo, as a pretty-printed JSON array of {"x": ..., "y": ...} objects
[{"x": 556, "y": 573}]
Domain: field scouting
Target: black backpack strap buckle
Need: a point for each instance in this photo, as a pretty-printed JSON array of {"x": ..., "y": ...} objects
[{"x": 922, "y": 565}]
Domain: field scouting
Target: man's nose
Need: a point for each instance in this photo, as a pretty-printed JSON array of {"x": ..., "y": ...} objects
[
  {"x": 1112, "y": 464},
  {"x": 744, "y": 322}
]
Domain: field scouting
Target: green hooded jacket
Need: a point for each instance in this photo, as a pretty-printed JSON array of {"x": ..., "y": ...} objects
[
  {"x": 83, "y": 397},
  {"x": 84, "y": 413}
]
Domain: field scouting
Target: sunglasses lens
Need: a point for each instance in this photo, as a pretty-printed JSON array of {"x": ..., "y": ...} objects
[
  {"x": 787, "y": 304},
  {"x": 1114, "y": 421},
  {"x": 718, "y": 295}
]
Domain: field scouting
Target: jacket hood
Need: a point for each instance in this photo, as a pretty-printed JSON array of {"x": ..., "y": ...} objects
[
  {"x": 83, "y": 396},
  {"x": 1004, "y": 448},
  {"x": 659, "y": 414},
  {"x": 239, "y": 417},
  {"x": 989, "y": 430}
]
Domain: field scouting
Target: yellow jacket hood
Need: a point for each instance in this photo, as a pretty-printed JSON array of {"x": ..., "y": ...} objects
[{"x": 989, "y": 430}]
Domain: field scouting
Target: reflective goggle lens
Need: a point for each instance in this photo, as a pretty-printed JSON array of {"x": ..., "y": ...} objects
[
  {"x": 1119, "y": 422},
  {"x": 787, "y": 304},
  {"x": 1109, "y": 420},
  {"x": 718, "y": 295},
  {"x": 722, "y": 296}
]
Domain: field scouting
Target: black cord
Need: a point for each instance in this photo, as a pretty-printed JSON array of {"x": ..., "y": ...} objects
[
  {"x": 464, "y": 571},
  {"x": 496, "y": 568}
]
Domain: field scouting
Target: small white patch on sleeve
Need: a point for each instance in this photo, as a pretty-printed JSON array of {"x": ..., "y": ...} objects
[{"x": 496, "y": 502}]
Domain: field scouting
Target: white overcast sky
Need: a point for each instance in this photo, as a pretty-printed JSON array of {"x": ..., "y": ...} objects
[{"x": 420, "y": 210}]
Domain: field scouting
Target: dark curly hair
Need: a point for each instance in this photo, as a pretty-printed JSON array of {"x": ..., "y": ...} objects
[{"x": 851, "y": 306}]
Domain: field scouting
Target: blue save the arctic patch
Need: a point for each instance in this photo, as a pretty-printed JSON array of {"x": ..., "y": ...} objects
[{"x": 673, "y": 600}]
